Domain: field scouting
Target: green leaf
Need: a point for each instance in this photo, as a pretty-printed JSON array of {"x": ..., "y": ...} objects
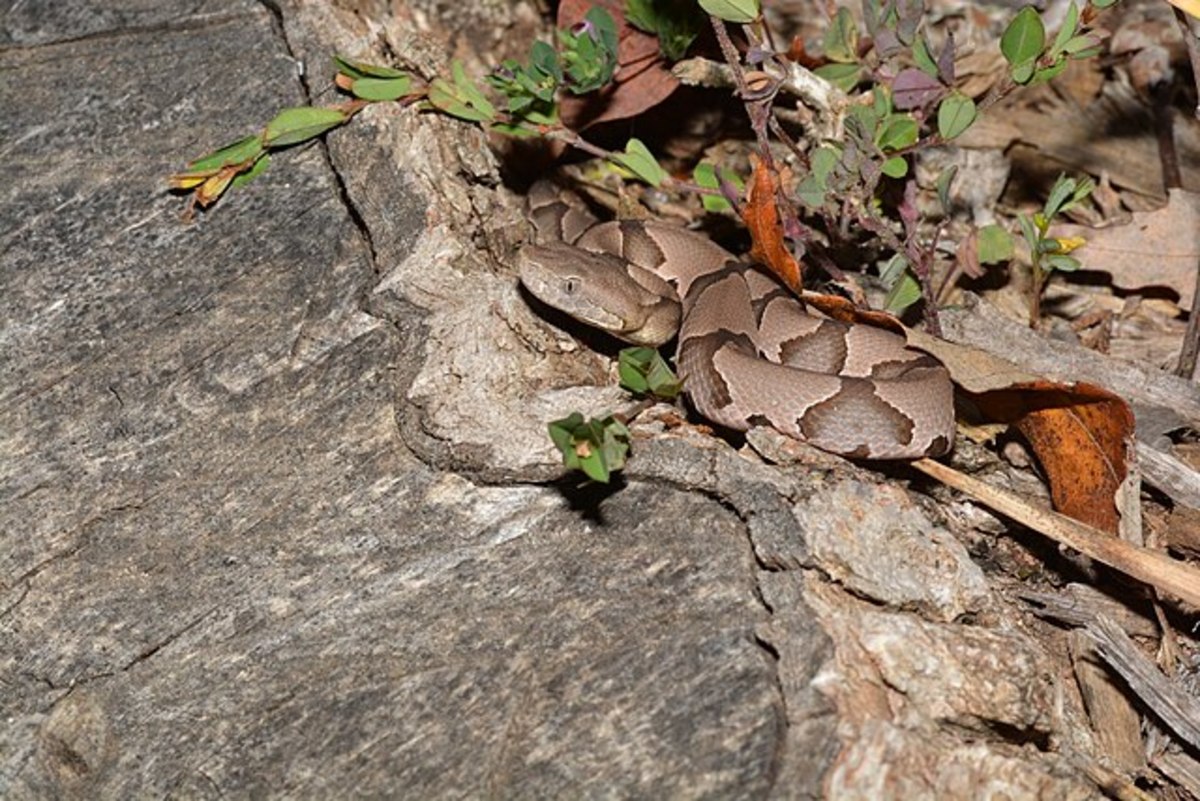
[
  {"x": 892, "y": 269},
  {"x": 1063, "y": 188},
  {"x": 1029, "y": 231},
  {"x": 513, "y": 130},
  {"x": 469, "y": 91},
  {"x": 1091, "y": 52},
  {"x": 444, "y": 97},
  {"x": 1058, "y": 261},
  {"x": 943, "y": 187},
  {"x": 895, "y": 167},
  {"x": 381, "y": 89},
  {"x": 903, "y": 294},
  {"x": 955, "y": 114},
  {"x": 260, "y": 164},
  {"x": 543, "y": 59},
  {"x": 865, "y": 121},
  {"x": 361, "y": 69},
  {"x": 641, "y": 15},
  {"x": 1081, "y": 46},
  {"x": 462, "y": 98},
  {"x": 843, "y": 76},
  {"x": 740, "y": 11},
  {"x": 811, "y": 192},
  {"x": 643, "y": 371},
  {"x": 1044, "y": 74},
  {"x": 881, "y": 100},
  {"x": 814, "y": 189},
  {"x": 897, "y": 131},
  {"x": 1083, "y": 187},
  {"x": 903, "y": 288},
  {"x": 823, "y": 160},
  {"x": 1024, "y": 38},
  {"x": 529, "y": 89},
  {"x": 923, "y": 59},
  {"x": 676, "y": 23},
  {"x": 638, "y": 159},
  {"x": 596, "y": 446},
  {"x": 705, "y": 175},
  {"x": 240, "y": 151},
  {"x": 841, "y": 40},
  {"x": 995, "y": 245},
  {"x": 1069, "y": 26},
  {"x": 1022, "y": 73},
  {"x": 294, "y": 125}
]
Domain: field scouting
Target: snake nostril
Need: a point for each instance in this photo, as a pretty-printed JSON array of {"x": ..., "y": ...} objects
[{"x": 571, "y": 286}]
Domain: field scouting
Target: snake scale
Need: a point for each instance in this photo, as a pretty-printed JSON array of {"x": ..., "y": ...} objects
[{"x": 749, "y": 351}]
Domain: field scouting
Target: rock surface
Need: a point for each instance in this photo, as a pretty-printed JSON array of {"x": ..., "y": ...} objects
[{"x": 280, "y": 519}]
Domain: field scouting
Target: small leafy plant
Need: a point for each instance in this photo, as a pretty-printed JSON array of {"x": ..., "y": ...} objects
[
  {"x": 1047, "y": 253},
  {"x": 596, "y": 446}
]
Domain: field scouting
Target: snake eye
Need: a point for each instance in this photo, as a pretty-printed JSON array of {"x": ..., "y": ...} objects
[{"x": 571, "y": 286}]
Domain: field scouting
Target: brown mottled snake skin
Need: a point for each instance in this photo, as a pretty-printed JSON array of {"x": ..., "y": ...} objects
[{"x": 749, "y": 351}]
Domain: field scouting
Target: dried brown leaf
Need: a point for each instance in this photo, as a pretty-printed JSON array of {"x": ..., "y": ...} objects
[
  {"x": 766, "y": 232},
  {"x": 1082, "y": 434},
  {"x": 1158, "y": 248}
]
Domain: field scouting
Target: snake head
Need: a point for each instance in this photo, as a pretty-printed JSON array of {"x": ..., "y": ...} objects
[{"x": 600, "y": 290}]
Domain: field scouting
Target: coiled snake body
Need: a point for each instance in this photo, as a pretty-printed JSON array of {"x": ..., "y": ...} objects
[{"x": 749, "y": 351}]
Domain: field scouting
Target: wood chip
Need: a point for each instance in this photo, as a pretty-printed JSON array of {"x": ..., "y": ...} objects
[{"x": 1178, "y": 709}]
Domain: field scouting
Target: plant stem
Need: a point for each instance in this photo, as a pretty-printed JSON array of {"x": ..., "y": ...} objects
[
  {"x": 578, "y": 142},
  {"x": 756, "y": 110},
  {"x": 1038, "y": 278}
]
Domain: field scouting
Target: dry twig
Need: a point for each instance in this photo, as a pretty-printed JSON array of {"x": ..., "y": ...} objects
[{"x": 1151, "y": 567}]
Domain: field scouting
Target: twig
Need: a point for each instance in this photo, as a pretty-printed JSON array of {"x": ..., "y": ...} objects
[
  {"x": 578, "y": 142},
  {"x": 1164, "y": 130},
  {"x": 826, "y": 101},
  {"x": 1186, "y": 368},
  {"x": 1149, "y": 566},
  {"x": 1191, "y": 37},
  {"x": 1188, "y": 354},
  {"x": 755, "y": 109}
]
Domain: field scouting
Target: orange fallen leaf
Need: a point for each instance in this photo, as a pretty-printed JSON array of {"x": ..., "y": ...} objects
[
  {"x": 766, "y": 232},
  {"x": 1081, "y": 434}
]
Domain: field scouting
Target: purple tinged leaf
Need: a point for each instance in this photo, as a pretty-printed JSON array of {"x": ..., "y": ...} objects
[
  {"x": 887, "y": 43},
  {"x": 945, "y": 62},
  {"x": 914, "y": 89},
  {"x": 910, "y": 13}
]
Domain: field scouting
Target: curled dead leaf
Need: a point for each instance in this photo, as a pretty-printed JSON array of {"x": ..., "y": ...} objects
[
  {"x": 766, "y": 231},
  {"x": 1081, "y": 434}
]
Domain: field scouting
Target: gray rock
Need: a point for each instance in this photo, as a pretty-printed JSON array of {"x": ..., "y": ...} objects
[{"x": 279, "y": 516}]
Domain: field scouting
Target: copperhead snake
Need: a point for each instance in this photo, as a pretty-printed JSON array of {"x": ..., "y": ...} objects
[{"x": 749, "y": 351}]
